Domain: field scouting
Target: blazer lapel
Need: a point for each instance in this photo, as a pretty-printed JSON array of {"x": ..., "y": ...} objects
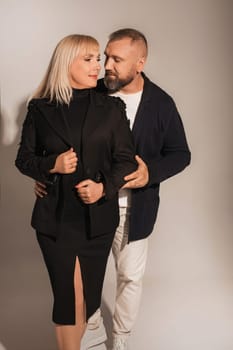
[
  {"x": 93, "y": 116},
  {"x": 54, "y": 115}
]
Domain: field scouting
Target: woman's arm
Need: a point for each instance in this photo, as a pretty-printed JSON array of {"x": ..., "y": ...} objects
[
  {"x": 107, "y": 183},
  {"x": 41, "y": 167},
  {"x": 124, "y": 161},
  {"x": 123, "y": 153}
]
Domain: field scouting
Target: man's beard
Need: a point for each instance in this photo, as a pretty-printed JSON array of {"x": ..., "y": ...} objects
[{"x": 116, "y": 84}]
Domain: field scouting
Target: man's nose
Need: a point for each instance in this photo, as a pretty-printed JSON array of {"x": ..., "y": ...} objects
[{"x": 108, "y": 64}]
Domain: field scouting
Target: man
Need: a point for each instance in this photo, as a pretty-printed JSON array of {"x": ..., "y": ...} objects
[{"x": 162, "y": 152}]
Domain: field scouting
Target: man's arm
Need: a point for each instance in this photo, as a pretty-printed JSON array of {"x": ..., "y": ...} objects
[{"x": 174, "y": 155}]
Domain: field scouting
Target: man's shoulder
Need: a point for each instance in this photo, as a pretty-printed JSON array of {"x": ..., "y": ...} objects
[
  {"x": 103, "y": 97},
  {"x": 155, "y": 90}
]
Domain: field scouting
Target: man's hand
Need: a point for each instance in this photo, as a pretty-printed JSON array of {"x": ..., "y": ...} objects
[
  {"x": 90, "y": 191},
  {"x": 66, "y": 163},
  {"x": 138, "y": 178},
  {"x": 40, "y": 189}
]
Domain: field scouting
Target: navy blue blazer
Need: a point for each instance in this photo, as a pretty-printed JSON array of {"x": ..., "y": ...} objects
[{"x": 161, "y": 142}]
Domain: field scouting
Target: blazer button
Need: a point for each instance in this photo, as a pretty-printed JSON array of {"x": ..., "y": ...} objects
[{"x": 98, "y": 177}]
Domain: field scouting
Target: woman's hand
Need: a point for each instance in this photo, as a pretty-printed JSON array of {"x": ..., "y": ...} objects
[
  {"x": 90, "y": 191},
  {"x": 66, "y": 163}
]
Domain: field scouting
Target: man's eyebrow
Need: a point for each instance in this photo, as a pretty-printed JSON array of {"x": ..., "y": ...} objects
[{"x": 113, "y": 56}]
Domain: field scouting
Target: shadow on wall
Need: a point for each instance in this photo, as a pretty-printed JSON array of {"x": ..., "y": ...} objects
[
  {"x": 25, "y": 303},
  {"x": 10, "y": 125}
]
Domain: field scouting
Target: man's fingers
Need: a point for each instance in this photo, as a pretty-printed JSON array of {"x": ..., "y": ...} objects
[
  {"x": 125, "y": 186},
  {"x": 131, "y": 184},
  {"x": 140, "y": 177},
  {"x": 136, "y": 173},
  {"x": 131, "y": 176},
  {"x": 139, "y": 160},
  {"x": 40, "y": 189},
  {"x": 40, "y": 184},
  {"x": 40, "y": 192}
]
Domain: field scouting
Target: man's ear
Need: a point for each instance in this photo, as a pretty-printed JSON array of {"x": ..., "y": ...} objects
[{"x": 141, "y": 63}]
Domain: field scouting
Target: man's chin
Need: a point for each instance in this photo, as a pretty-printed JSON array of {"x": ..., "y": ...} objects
[
  {"x": 111, "y": 84},
  {"x": 110, "y": 79}
]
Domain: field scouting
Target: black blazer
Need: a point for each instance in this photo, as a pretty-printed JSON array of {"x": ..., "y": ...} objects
[
  {"x": 160, "y": 141},
  {"x": 107, "y": 156}
]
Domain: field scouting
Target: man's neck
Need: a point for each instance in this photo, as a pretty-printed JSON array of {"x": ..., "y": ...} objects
[{"x": 135, "y": 86}]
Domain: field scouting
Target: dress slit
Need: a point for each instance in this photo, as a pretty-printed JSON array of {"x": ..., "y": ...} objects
[{"x": 79, "y": 294}]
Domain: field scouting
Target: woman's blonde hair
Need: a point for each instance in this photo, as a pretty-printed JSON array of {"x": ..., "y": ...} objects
[{"x": 56, "y": 85}]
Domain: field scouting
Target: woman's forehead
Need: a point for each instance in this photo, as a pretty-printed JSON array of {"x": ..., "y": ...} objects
[{"x": 89, "y": 48}]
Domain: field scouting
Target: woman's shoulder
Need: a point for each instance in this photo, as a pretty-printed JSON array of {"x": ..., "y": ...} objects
[
  {"x": 110, "y": 100},
  {"x": 33, "y": 102},
  {"x": 41, "y": 104}
]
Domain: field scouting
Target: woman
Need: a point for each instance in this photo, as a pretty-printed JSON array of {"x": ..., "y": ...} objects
[{"x": 78, "y": 143}]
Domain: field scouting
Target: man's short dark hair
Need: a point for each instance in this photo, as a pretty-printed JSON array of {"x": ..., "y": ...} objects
[{"x": 131, "y": 33}]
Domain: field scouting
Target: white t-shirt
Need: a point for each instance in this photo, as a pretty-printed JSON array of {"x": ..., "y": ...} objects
[{"x": 132, "y": 102}]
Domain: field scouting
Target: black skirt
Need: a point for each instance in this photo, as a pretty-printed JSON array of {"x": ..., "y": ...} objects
[{"x": 60, "y": 257}]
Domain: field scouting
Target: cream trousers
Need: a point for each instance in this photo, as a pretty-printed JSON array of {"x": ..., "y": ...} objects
[{"x": 130, "y": 261}]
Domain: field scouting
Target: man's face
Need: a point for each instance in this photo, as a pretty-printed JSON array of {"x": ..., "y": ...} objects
[{"x": 122, "y": 63}]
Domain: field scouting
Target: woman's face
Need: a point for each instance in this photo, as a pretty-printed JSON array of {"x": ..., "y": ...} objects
[{"x": 85, "y": 69}]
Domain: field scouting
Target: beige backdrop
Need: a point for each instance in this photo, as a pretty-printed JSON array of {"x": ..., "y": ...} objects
[{"x": 188, "y": 288}]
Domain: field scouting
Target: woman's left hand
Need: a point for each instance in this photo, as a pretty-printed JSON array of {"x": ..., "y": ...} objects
[{"x": 90, "y": 191}]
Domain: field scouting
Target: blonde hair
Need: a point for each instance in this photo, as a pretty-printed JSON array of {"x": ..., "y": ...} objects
[{"x": 56, "y": 85}]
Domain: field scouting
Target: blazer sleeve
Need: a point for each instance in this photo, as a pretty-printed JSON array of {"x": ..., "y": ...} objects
[
  {"x": 123, "y": 153},
  {"x": 174, "y": 154},
  {"x": 28, "y": 161}
]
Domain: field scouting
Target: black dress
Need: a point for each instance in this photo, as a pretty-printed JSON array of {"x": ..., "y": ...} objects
[{"x": 72, "y": 240}]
